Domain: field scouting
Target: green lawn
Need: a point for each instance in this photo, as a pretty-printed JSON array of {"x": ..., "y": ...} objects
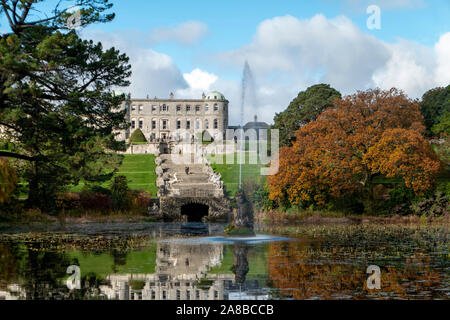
[
  {"x": 230, "y": 172},
  {"x": 139, "y": 170}
]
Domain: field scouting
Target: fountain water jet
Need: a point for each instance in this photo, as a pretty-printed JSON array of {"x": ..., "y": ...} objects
[
  {"x": 242, "y": 224},
  {"x": 248, "y": 100}
]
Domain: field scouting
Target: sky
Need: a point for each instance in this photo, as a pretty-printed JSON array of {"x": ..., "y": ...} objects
[{"x": 190, "y": 47}]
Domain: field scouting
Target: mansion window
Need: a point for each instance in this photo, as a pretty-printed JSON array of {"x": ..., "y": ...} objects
[
  {"x": 216, "y": 124},
  {"x": 164, "y": 124},
  {"x": 206, "y": 108},
  {"x": 133, "y": 124},
  {"x": 153, "y": 124},
  {"x": 153, "y": 108},
  {"x": 188, "y": 124},
  {"x": 197, "y": 108},
  {"x": 164, "y": 108},
  {"x": 133, "y": 108},
  {"x": 178, "y": 124},
  {"x": 141, "y": 124},
  {"x": 141, "y": 108},
  {"x": 188, "y": 108},
  {"x": 216, "y": 107},
  {"x": 206, "y": 124},
  {"x": 178, "y": 108}
]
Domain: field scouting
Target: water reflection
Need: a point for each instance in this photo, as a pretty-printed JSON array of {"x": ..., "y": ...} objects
[
  {"x": 181, "y": 272},
  {"x": 202, "y": 268}
]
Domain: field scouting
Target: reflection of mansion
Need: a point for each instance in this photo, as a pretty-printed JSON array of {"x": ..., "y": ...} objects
[
  {"x": 179, "y": 270},
  {"x": 183, "y": 272}
]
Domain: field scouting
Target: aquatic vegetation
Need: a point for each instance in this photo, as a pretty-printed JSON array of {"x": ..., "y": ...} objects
[{"x": 67, "y": 242}]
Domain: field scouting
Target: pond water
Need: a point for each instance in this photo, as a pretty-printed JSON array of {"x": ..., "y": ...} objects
[{"x": 159, "y": 261}]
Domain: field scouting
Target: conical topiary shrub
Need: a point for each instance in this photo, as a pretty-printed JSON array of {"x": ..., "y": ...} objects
[{"x": 137, "y": 137}]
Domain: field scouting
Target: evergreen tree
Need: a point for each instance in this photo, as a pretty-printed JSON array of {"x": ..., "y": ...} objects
[
  {"x": 57, "y": 102},
  {"x": 435, "y": 103},
  {"x": 303, "y": 109}
]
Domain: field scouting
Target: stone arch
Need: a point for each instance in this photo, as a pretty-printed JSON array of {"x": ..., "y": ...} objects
[
  {"x": 194, "y": 211},
  {"x": 218, "y": 207}
]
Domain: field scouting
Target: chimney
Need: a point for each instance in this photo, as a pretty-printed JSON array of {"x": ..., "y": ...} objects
[
  {"x": 203, "y": 96},
  {"x": 256, "y": 118},
  {"x": 171, "y": 96}
]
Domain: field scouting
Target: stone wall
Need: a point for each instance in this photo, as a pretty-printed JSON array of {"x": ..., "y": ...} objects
[{"x": 150, "y": 148}]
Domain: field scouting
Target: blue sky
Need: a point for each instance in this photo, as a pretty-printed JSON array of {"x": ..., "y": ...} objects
[
  {"x": 188, "y": 47},
  {"x": 233, "y": 23}
]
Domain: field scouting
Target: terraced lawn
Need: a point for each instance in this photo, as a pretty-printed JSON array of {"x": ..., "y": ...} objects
[
  {"x": 230, "y": 172},
  {"x": 139, "y": 170}
]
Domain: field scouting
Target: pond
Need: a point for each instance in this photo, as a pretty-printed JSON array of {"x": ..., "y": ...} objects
[{"x": 193, "y": 261}]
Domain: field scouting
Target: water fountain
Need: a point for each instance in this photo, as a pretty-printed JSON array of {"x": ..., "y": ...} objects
[
  {"x": 248, "y": 100},
  {"x": 242, "y": 224}
]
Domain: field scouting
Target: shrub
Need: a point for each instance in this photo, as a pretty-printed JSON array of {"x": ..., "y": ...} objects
[
  {"x": 119, "y": 193},
  {"x": 400, "y": 200},
  {"x": 138, "y": 201},
  {"x": 258, "y": 194},
  {"x": 69, "y": 200},
  {"x": 137, "y": 137},
  {"x": 95, "y": 201},
  {"x": 8, "y": 180},
  {"x": 436, "y": 205},
  {"x": 444, "y": 188}
]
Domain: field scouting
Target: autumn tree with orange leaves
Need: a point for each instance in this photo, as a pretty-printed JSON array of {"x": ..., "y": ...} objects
[{"x": 365, "y": 135}]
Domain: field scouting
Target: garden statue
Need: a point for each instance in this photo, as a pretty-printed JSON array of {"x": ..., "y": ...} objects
[{"x": 242, "y": 224}]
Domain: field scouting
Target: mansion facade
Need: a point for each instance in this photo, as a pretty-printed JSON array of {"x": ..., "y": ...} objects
[{"x": 177, "y": 119}]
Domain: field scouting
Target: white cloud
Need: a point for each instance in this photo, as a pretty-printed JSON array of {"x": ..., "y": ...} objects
[
  {"x": 442, "y": 49},
  {"x": 410, "y": 68},
  {"x": 153, "y": 73},
  {"x": 199, "y": 82},
  {"x": 305, "y": 51},
  {"x": 288, "y": 55},
  {"x": 186, "y": 33},
  {"x": 199, "y": 79}
]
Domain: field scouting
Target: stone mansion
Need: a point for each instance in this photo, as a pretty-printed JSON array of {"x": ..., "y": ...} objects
[{"x": 177, "y": 119}]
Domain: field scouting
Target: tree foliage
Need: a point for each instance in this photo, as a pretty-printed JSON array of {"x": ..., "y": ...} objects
[
  {"x": 435, "y": 103},
  {"x": 368, "y": 134},
  {"x": 442, "y": 128},
  {"x": 304, "y": 109},
  {"x": 56, "y": 96},
  {"x": 8, "y": 180}
]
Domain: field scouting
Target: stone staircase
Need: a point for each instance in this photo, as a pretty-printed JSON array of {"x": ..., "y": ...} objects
[
  {"x": 200, "y": 182},
  {"x": 187, "y": 196}
]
